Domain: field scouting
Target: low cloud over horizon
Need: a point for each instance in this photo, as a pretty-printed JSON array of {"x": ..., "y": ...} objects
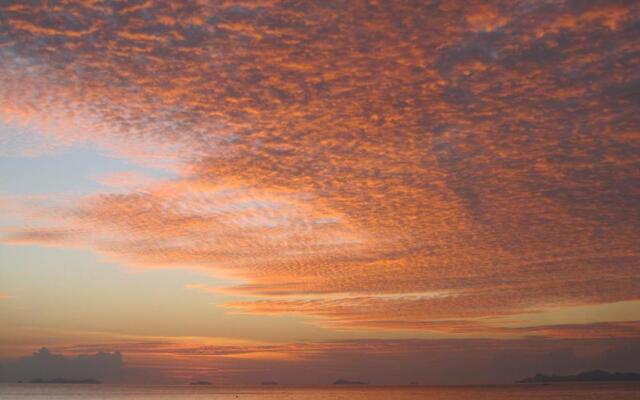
[
  {"x": 453, "y": 361},
  {"x": 42, "y": 364}
]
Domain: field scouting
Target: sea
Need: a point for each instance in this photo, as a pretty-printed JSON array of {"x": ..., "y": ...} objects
[{"x": 613, "y": 391}]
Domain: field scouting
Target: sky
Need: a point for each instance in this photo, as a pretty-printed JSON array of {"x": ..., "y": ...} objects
[{"x": 443, "y": 192}]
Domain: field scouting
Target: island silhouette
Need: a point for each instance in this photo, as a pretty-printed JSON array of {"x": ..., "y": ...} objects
[
  {"x": 346, "y": 382},
  {"x": 201, "y": 383},
  {"x": 587, "y": 376}
]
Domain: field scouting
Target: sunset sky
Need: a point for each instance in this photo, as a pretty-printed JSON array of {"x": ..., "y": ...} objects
[{"x": 387, "y": 191}]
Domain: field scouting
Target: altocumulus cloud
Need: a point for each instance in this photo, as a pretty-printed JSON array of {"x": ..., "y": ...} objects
[{"x": 484, "y": 152}]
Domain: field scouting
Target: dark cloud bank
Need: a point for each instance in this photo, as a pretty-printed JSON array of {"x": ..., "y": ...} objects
[
  {"x": 42, "y": 364},
  {"x": 445, "y": 362},
  {"x": 378, "y": 362}
]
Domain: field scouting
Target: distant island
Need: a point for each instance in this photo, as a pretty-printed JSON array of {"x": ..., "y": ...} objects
[
  {"x": 346, "y": 382},
  {"x": 269, "y": 383},
  {"x": 588, "y": 376},
  {"x": 67, "y": 381},
  {"x": 201, "y": 383}
]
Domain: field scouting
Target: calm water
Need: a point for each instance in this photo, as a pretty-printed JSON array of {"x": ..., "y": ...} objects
[{"x": 507, "y": 392}]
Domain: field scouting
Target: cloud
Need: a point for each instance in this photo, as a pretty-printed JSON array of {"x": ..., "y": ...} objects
[
  {"x": 622, "y": 329},
  {"x": 439, "y": 361},
  {"x": 44, "y": 365},
  {"x": 488, "y": 153}
]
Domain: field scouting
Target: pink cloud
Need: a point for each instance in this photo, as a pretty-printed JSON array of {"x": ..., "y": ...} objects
[{"x": 350, "y": 153}]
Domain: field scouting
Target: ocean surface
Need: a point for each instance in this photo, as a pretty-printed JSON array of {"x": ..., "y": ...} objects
[{"x": 615, "y": 391}]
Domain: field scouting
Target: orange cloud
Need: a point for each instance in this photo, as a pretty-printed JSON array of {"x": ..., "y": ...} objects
[{"x": 488, "y": 153}]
